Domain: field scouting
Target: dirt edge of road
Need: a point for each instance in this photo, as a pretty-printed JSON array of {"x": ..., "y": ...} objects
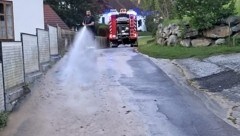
[{"x": 221, "y": 107}]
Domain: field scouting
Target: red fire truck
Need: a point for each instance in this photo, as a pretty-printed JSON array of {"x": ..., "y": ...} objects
[{"x": 123, "y": 29}]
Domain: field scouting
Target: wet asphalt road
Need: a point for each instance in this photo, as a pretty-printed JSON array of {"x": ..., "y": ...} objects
[{"x": 166, "y": 108}]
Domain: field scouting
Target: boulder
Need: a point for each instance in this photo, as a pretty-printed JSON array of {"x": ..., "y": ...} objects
[
  {"x": 191, "y": 33},
  {"x": 164, "y": 35},
  {"x": 236, "y": 28},
  {"x": 220, "y": 41},
  {"x": 232, "y": 20},
  {"x": 186, "y": 42},
  {"x": 172, "y": 40},
  {"x": 218, "y": 32},
  {"x": 201, "y": 42},
  {"x": 175, "y": 30},
  {"x": 161, "y": 41},
  {"x": 166, "y": 30},
  {"x": 160, "y": 26}
]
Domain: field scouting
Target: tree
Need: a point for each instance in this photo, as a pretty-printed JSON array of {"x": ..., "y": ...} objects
[
  {"x": 73, "y": 11},
  {"x": 164, "y": 7},
  {"x": 204, "y": 13}
]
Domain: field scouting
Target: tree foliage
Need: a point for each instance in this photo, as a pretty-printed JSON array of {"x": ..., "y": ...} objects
[
  {"x": 205, "y": 13},
  {"x": 164, "y": 7},
  {"x": 73, "y": 11},
  {"x": 151, "y": 24}
]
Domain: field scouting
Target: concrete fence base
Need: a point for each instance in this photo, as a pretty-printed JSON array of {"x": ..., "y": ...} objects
[
  {"x": 45, "y": 66},
  {"x": 32, "y": 77},
  {"x": 54, "y": 58},
  {"x": 102, "y": 42},
  {"x": 14, "y": 95}
]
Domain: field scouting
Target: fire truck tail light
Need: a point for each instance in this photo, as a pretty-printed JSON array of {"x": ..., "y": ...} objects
[
  {"x": 111, "y": 36},
  {"x": 134, "y": 35}
]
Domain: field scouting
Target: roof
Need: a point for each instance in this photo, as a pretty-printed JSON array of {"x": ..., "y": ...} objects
[
  {"x": 52, "y": 18},
  {"x": 118, "y": 4}
]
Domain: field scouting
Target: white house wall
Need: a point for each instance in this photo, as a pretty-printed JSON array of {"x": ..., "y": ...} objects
[
  {"x": 28, "y": 15},
  {"x": 143, "y": 26},
  {"x": 107, "y": 19}
]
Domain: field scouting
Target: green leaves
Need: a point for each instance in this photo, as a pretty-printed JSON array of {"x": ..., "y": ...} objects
[
  {"x": 73, "y": 11},
  {"x": 164, "y": 7},
  {"x": 205, "y": 13},
  {"x": 3, "y": 119}
]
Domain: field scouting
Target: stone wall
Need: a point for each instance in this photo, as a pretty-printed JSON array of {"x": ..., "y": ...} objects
[{"x": 175, "y": 35}]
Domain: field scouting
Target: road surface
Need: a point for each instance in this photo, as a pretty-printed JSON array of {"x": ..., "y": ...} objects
[{"x": 131, "y": 96}]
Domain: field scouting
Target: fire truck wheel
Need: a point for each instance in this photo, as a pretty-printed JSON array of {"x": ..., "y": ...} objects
[
  {"x": 134, "y": 45},
  {"x": 112, "y": 45}
]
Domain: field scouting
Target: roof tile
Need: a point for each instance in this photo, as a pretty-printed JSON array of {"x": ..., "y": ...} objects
[{"x": 52, "y": 18}]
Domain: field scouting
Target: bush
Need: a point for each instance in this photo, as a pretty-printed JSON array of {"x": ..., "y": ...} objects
[
  {"x": 102, "y": 30},
  {"x": 3, "y": 119},
  {"x": 237, "y": 6},
  {"x": 205, "y": 13},
  {"x": 151, "y": 25}
]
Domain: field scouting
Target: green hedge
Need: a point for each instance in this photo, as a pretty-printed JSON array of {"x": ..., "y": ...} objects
[
  {"x": 102, "y": 30},
  {"x": 3, "y": 119}
]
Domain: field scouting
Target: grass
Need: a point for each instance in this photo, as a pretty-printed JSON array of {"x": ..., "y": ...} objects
[
  {"x": 144, "y": 33},
  {"x": 3, "y": 119},
  {"x": 238, "y": 7},
  {"x": 178, "y": 52}
]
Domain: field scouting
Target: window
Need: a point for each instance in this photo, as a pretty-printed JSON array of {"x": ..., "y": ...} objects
[
  {"x": 6, "y": 21},
  {"x": 139, "y": 23},
  {"x": 103, "y": 20}
]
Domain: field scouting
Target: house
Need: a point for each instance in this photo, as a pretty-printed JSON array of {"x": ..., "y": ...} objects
[
  {"x": 52, "y": 18},
  {"x": 26, "y": 48},
  {"x": 115, "y": 5},
  {"x": 14, "y": 19}
]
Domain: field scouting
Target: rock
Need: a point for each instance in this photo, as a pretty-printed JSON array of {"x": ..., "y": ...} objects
[
  {"x": 220, "y": 41},
  {"x": 161, "y": 41},
  {"x": 160, "y": 26},
  {"x": 163, "y": 35},
  {"x": 218, "y": 32},
  {"x": 166, "y": 30},
  {"x": 186, "y": 42},
  {"x": 175, "y": 30},
  {"x": 237, "y": 35},
  {"x": 236, "y": 28},
  {"x": 232, "y": 20},
  {"x": 201, "y": 42},
  {"x": 191, "y": 33},
  {"x": 160, "y": 29},
  {"x": 172, "y": 40}
]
